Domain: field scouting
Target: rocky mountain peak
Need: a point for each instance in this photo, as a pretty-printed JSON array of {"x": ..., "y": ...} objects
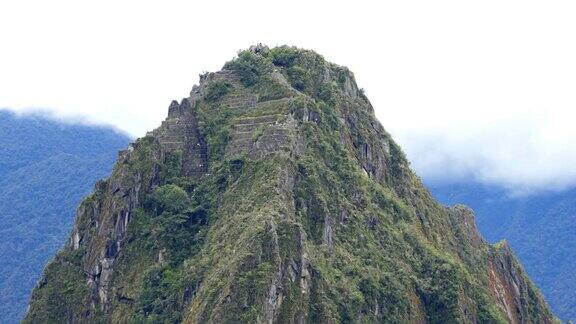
[{"x": 272, "y": 194}]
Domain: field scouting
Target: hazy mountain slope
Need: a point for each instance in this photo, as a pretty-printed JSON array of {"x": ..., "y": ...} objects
[
  {"x": 46, "y": 168},
  {"x": 539, "y": 228},
  {"x": 272, "y": 194}
]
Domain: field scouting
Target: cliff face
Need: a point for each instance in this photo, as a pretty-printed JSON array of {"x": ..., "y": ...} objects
[{"x": 272, "y": 194}]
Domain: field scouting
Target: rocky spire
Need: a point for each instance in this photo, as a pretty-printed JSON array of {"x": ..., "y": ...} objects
[{"x": 272, "y": 194}]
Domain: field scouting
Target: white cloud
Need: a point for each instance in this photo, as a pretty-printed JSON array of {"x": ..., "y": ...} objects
[
  {"x": 65, "y": 118},
  {"x": 525, "y": 156},
  {"x": 470, "y": 89}
]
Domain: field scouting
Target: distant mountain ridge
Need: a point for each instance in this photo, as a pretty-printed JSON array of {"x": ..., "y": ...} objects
[
  {"x": 540, "y": 228},
  {"x": 45, "y": 168}
]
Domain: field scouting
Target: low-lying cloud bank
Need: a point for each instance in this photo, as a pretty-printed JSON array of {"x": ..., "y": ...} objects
[
  {"x": 526, "y": 156},
  {"x": 64, "y": 118}
]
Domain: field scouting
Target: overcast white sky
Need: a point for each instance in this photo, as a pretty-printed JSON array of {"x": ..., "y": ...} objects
[{"x": 482, "y": 90}]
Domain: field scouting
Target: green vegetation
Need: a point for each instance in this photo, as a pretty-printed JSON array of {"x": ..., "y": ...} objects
[
  {"x": 159, "y": 299},
  {"x": 249, "y": 66},
  {"x": 258, "y": 133},
  {"x": 328, "y": 93},
  {"x": 283, "y": 56},
  {"x": 68, "y": 290},
  {"x": 298, "y": 77},
  {"x": 169, "y": 198},
  {"x": 214, "y": 124},
  {"x": 217, "y": 90}
]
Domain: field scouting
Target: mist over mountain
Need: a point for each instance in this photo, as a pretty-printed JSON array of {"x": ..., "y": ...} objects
[
  {"x": 46, "y": 167},
  {"x": 525, "y": 155},
  {"x": 540, "y": 228}
]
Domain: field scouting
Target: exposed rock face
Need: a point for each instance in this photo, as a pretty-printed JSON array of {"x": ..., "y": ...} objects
[
  {"x": 509, "y": 283},
  {"x": 272, "y": 194}
]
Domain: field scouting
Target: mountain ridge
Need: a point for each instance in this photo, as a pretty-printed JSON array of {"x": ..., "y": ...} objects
[{"x": 272, "y": 194}]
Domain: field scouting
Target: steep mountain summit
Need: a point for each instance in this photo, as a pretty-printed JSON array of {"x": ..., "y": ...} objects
[{"x": 272, "y": 194}]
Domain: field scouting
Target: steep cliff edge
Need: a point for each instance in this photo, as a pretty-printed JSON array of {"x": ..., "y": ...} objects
[{"x": 272, "y": 194}]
